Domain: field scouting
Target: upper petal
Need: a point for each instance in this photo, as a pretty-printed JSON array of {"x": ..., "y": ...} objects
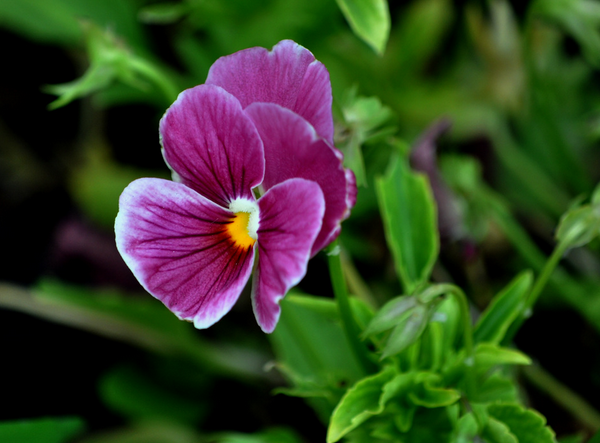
[
  {"x": 288, "y": 75},
  {"x": 293, "y": 149},
  {"x": 212, "y": 145},
  {"x": 175, "y": 241},
  {"x": 290, "y": 219}
]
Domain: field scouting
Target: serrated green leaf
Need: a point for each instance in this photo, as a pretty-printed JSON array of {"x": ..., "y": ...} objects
[
  {"x": 43, "y": 430},
  {"x": 527, "y": 425},
  {"x": 360, "y": 402},
  {"x": 369, "y": 19},
  {"x": 503, "y": 310},
  {"x": 497, "y": 432},
  {"x": 408, "y": 330},
  {"x": 391, "y": 314},
  {"x": 409, "y": 218}
]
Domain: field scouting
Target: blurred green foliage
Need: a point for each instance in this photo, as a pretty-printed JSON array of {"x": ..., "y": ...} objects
[{"x": 519, "y": 84}]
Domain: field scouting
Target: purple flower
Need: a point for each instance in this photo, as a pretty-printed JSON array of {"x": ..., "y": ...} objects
[{"x": 262, "y": 125}]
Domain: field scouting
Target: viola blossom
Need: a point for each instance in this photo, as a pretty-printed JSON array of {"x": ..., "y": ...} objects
[{"x": 256, "y": 178}]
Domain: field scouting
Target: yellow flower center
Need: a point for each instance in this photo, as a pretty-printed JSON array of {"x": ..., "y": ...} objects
[{"x": 238, "y": 230}]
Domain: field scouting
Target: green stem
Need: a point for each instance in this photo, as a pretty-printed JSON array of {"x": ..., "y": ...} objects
[
  {"x": 535, "y": 292},
  {"x": 351, "y": 329},
  {"x": 467, "y": 338}
]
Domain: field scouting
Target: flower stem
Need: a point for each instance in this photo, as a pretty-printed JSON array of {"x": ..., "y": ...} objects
[
  {"x": 351, "y": 328},
  {"x": 535, "y": 292}
]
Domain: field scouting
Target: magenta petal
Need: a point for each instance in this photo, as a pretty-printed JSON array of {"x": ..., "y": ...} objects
[
  {"x": 212, "y": 145},
  {"x": 293, "y": 149},
  {"x": 288, "y": 75},
  {"x": 175, "y": 242},
  {"x": 290, "y": 219}
]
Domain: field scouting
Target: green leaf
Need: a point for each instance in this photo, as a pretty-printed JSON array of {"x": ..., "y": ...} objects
[
  {"x": 407, "y": 331},
  {"x": 495, "y": 388},
  {"x": 360, "y": 402},
  {"x": 43, "y": 430},
  {"x": 309, "y": 339},
  {"x": 391, "y": 314},
  {"x": 275, "y": 435},
  {"x": 427, "y": 394},
  {"x": 132, "y": 394},
  {"x": 488, "y": 355},
  {"x": 409, "y": 218},
  {"x": 503, "y": 310},
  {"x": 369, "y": 19},
  {"x": 465, "y": 430},
  {"x": 527, "y": 425},
  {"x": 497, "y": 432}
]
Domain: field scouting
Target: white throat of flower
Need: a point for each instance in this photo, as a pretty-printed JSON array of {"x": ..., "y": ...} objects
[{"x": 251, "y": 208}]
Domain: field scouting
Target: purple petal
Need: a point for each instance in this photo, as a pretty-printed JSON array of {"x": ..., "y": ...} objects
[
  {"x": 293, "y": 149},
  {"x": 212, "y": 145},
  {"x": 288, "y": 75},
  {"x": 290, "y": 219},
  {"x": 176, "y": 243}
]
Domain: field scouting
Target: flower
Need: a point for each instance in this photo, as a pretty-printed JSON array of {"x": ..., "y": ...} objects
[{"x": 192, "y": 242}]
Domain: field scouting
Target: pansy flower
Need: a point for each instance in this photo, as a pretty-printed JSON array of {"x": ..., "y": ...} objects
[{"x": 255, "y": 186}]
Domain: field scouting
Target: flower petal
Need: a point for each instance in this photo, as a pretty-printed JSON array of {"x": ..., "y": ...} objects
[
  {"x": 290, "y": 219},
  {"x": 175, "y": 242},
  {"x": 288, "y": 75},
  {"x": 212, "y": 145},
  {"x": 293, "y": 149}
]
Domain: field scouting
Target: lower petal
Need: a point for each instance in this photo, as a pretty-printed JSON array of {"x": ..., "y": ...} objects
[
  {"x": 291, "y": 214},
  {"x": 176, "y": 243}
]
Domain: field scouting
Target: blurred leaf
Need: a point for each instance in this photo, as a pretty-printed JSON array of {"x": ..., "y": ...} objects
[
  {"x": 268, "y": 436},
  {"x": 154, "y": 431},
  {"x": 503, "y": 310},
  {"x": 420, "y": 34},
  {"x": 99, "y": 181},
  {"x": 57, "y": 21},
  {"x": 42, "y": 430},
  {"x": 132, "y": 394},
  {"x": 369, "y": 19},
  {"x": 579, "y": 18},
  {"x": 162, "y": 13},
  {"x": 390, "y": 314},
  {"x": 360, "y": 402},
  {"x": 527, "y": 425},
  {"x": 407, "y": 331},
  {"x": 112, "y": 60},
  {"x": 141, "y": 321},
  {"x": 409, "y": 218}
]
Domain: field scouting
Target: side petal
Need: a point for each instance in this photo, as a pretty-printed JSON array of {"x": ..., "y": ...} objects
[
  {"x": 211, "y": 145},
  {"x": 175, "y": 241},
  {"x": 290, "y": 219},
  {"x": 288, "y": 75},
  {"x": 293, "y": 149}
]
